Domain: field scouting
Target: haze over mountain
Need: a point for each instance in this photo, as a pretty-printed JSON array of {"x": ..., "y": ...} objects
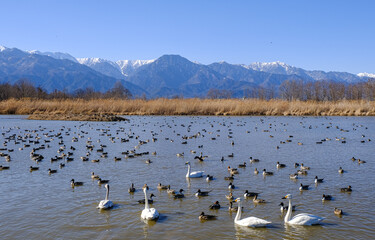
[{"x": 167, "y": 76}]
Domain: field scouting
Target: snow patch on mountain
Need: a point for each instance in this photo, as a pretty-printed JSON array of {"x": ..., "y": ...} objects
[
  {"x": 365, "y": 74},
  {"x": 129, "y": 66},
  {"x": 2, "y": 48},
  {"x": 55, "y": 55}
]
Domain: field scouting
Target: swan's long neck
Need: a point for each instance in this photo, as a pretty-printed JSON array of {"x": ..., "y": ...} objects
[
  {"x": 238, "y": 215},
  {"x": 188, "y": 172},
  {"x": 107, "y": 194},
  {"x": 146, "y": 199},
  {"x": 289, "y": 213}
]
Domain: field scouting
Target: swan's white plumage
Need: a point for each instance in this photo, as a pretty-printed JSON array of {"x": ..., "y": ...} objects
[
  {"x": 148, "y": 213},
  {"x": 105, "y": 204},
  {"x": 302, "y": 218},
  {"x": 249, "y": 221},
  {"x": 196, "y": 174}
]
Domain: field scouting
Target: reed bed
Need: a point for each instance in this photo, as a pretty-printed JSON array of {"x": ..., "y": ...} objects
[{"x": 162, "y": 106}]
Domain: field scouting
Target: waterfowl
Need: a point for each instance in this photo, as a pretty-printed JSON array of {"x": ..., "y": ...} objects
[
  {"x": 231, "y": 186},
  {"x": 4, "y": 167},
  {"x": 209, "y": 178},
  {"x": 229, "y": 178},
  {"x": 296, "y": 165},
  {"x": 61, "y": 165},
  {"x": 302, "y": 172},
  {"x": 162, "y": 187},
  {"x": 203, "y": 217},
  {"x": 93, "y": 176},
  {"x": 304, "y": 167},
  {"x": 341, "y": 170},
  {"x": 148, "y": 213},
  {"x": 265, "y": 173},
  {"x": 318, "y": 180},
  {"x": 132, "y": 188},
  {"x": 150, "y": 200},
  {"x": 337, "y": 211},
  {"x": 242, "y": 165},
  {"x": 230, "y": 196},
  {"x": 102, "y": 181},
  {"x": 196, "y": 174},
  {"x": 258, "y": 200},
  {"x": 179, "y": 194},
  {"x": 348, "y": 189},
  {"x": 50, "y": 171},
  {"x": 285, "y": 208},
  {"x": 231, "y": 155},
  {"x": 280, "y": 165},
  {"x": 249, "y": 221},
  {"x": 353, "y": 159},
  {"x": 232, "y": 170},
  {"x": 231, "y": 208},
  {"x": 170, "y": 191},
  {"x": 33, "y": 168},
  {"x": 105, "y": 204},
  {"x": 199, "y": 193},
  {"x": 216, "y": 205},
  {"x": 256, "y": 171},
  {"x": 75, "y": 184},
  {"x": 361, "y": 161},
  {"x": 148, "y": 161},
  {"x": 302, "y": 218},
  {"x": 303, "y": 187},
  {"x": 249, "y": 194},
  {"x": 255, "y": 160},
  {"x": 293, "y": 176},
  {"x": 180, "y": 154},
  {"x": 326, "y": 197}
]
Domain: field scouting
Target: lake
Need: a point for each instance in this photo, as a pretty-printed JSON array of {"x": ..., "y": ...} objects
[{"x": 39, "y": 205}]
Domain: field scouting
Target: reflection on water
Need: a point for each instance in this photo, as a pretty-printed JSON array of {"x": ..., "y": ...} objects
[{"x": 38, "y": 205}]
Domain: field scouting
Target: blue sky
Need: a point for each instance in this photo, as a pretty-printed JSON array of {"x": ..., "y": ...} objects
[{"x": 316, "y": 35}]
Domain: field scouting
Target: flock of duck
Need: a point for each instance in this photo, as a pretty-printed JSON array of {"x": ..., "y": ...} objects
[{"x": 40, "y": 139}]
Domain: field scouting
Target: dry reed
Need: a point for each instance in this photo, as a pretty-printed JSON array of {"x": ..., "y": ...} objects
[{"x": 162, "y": 106}]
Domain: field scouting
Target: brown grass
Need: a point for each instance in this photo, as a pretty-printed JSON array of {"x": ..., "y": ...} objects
[{"x": 235, "y": 107}]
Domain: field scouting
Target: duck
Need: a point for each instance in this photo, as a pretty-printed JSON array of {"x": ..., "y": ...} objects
[
  {"x": 242, "y": 165},
  {"x": 150, "y": 200},
  {"x": 4, "y": 167},
  {"x": 341, "y": 170},
  {"x": 285, "y": 208},
  {"x": 318, "y": 180},
  {"x": 105, "y": 204},
  {"x": 196, "y": 174},
  {"x": 216, "y": 205},
  {"x": 231, "y": 208},
  {"x": 360, "y": 161},
  {"x": 132, "y": 188},
  {"x": 231, "y": 155},
  {"x": 231, "y": 177},
  {"x": 347, "y": 189},
  {"x": 265, "y": 173},
  {"x": 302, "y": 172},
  {"x": 148, "y": 213},
  {"x": 102, "y": 181},
  {"x": 296, "y": 165},
  {"x": 255, "y": 160},
  {"x": 249, "y": 194},
  {"x": 326, "y": 197},
  {"x": 302, "y": 218},
  {"x": 280, "y": 165},
  {"x": 204, "y": 217},
  {"x": 162, "y": 187},
  {"x": 209, "y": 178},
  {"x": 93, "y": 176},
  {"x": 304, "y": 167},
  {"x": 293, "y": 176},
  {"x": 75, "y": 184},
  {"x": 179, "y": 194},
  {"x": 33, "y": 168},
  {"x": 170, "y": 191},
  {"x": 338, "y": 211},
  {"x": 303, "y": 187},
  {"x": 230, "y": 196},
  {"x": 199, "y": 193},
  {"x": 232, "y": 170},
  {"x": 249, "y": 221},
  {"x": 231, "y": 186},
  {"x": 50, "y": 171},
  {"x": 258, "y": 200},
  {"x": 256, "y": 171}
]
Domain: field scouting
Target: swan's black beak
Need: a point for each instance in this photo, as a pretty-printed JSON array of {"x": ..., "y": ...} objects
[{"x": 284, "y": 197}]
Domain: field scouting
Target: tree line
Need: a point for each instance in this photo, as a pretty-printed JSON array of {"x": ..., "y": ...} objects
[{"x": 23, "y": 88}]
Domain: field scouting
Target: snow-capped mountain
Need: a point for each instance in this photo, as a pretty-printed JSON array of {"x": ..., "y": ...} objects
[
  {"x": 130, "y": 66},
  {"x": 366, "y": 75},
  {"x": 55, "y": 55},
  {"x": 103, "y": 66}
]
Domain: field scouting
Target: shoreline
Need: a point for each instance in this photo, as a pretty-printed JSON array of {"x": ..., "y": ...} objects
[{"x": 109, "y": 109}]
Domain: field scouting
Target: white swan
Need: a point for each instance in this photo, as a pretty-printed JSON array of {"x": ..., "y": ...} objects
[
  {"x": 105, "y": 204},
  {"x": 249, "y": 221},
  {"x": 302, "y": 218},
  {"x": 196, "y": 174},
  {"x": 148, "y": 213}
]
